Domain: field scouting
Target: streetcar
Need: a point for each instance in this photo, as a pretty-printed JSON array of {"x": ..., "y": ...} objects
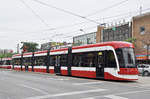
[
  {"x": 5, "y": 63},
  {"x": 113, "y": 60}
]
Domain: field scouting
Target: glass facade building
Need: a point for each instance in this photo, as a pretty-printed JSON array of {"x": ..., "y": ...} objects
[
  {"x": 85, "y": 39},
  {"x": 117, "y": 33}
]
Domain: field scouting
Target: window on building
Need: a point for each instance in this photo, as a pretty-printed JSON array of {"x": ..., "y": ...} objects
[
  {"x": 88, "y": 41},
  {"x": 142, "y": 30}
]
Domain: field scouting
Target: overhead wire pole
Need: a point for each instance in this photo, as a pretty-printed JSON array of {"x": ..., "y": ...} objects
[{"x": 39, "y": 17}]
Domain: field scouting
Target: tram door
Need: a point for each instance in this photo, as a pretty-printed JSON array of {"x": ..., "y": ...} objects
[
  {"x": 57, "y": 65},
  {"x": 100, "y": 64}
]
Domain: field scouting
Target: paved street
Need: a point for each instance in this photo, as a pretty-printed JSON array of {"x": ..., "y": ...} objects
[{"x": 28, "y": 85}]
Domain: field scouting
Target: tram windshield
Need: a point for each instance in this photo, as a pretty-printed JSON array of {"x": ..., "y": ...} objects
[{"x": 126, "y": 57}]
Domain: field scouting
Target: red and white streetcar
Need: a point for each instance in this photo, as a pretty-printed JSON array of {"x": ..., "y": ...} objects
[
  {"x": 109, "y": 60},
  {"x": 5, "y": 63}
]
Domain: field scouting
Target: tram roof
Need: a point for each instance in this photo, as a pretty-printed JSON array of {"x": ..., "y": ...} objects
[{"x": 114, "y": 44}]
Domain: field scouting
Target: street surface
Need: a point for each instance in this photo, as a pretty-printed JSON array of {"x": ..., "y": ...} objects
[{"x": 31, "y": 85}]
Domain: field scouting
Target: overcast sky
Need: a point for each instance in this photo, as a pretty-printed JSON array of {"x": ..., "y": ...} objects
[{"x": 28, "y": 20}]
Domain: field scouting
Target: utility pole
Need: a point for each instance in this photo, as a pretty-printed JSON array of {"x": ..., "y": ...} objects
[{"x": 18, "y": 48}]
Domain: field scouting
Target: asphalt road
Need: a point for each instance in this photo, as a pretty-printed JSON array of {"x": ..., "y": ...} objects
[{"x": 30, "y": 85}]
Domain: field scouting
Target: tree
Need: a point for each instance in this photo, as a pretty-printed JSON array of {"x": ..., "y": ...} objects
[
  {"x": 4, "y": 55},
  {"x": 131, "y": 40},
  {"x": 29, "y": 46}
]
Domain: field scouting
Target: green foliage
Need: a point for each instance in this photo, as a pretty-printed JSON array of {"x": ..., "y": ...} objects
[
  {"x": 131, "y": 40},
  {"x": 29, "y": 46},
  {"x": 4, "y": 55}
]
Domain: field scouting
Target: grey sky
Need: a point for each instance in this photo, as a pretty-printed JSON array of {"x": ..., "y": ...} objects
[{"x": 18, "y": 23}]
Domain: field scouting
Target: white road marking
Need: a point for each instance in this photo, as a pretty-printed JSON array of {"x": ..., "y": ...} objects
[
  {"x": 123, "y": 93},
  {"x": 145, "y": 85},
  {"x": 115, "y": 97},
  {"x": 67, "y": 94},
  {"x": 36, "y": 89},
  {"x": 87, "y": 83}
]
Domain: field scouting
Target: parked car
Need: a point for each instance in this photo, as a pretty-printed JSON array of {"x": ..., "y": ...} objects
[{"x": 144, "y": 69}]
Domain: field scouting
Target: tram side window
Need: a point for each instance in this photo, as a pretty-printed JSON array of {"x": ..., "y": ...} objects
[
  {"x": 110, "y": 59},
  {"x": 63, "y": 60},
  {"x": 40, "y": 61},
  {"x": 4, "y": 62},
  {"x": 36, "y": 61},
  {"x": 77, "y": 60},
  {"x": 27, "y": 61},
  {"x": 8, "y": 62},
  {"x": 84, "y": 59},
  {"x": 16, "y": 61},
  {"x": 52, "y": 60},
  {"x": 1, "y": 62},
  {"x": 89, "y": 59}
]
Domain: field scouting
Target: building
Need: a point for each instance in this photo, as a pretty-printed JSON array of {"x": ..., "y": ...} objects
[
  {"x": 54, "y": 45},
  {"x": 119, "y": 32},
  {"x": 99, "y": 33},
  {"x": 84, "y": 39},
  {"x": 141, "y": 31},
  {"x": 3, "y": 51},
  {"x": 138, "y": 29}
]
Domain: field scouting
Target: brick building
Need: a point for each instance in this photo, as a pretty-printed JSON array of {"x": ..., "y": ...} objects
[{"x": 141, "y": 31}]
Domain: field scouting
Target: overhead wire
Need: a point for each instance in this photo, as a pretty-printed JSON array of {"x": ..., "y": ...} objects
[
  {"x": 95, "y": 21},
  {"x": 109, "y": 22},
  {"x": 71, "y": 25},
  {"x": 66, "y": 11},
  {"x": 38, "y": 16},
  {"x": 109, "y": 17},
  {"x": 104, "y": 9},
  {"x": 61, "y": 27},
  {"x": 72, "y": 13}
]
